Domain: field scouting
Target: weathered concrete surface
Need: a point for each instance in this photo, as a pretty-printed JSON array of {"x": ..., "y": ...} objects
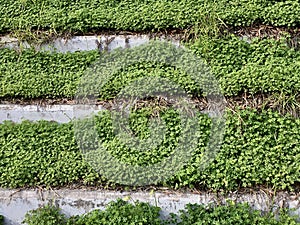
[
  {"x": 58, "y": 113},
  {"x": 84, "y": 43},
  {"x": 14, "y": 204}
]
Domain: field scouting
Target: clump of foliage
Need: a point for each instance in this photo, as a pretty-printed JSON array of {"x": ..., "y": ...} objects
[
  {"x": 262, "y": 66},
  {"x": 32, "y": 74},
  {"x": 47, "y": 215},
  {"x": 121, "y": 212},
  {"x": 237, "y": 214},
  {"x": 139, "y": 15},
  {"x": 259, "y": 148}
]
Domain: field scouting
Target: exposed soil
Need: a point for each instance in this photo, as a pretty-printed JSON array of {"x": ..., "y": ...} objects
[
  {"x": 258, "y": 30},
  {"x": 277, "y": 102},
  {"x": 264, "y": 31},
  {"x": 163, "y": 189}
]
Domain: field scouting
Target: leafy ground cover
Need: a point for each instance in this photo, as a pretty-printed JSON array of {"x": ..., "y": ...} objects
[
  {"x": 259, "y": 148},
  {"x": 121, "y": 212},
  {"x": 87, "y": 15},
  {"x": 264, "y": 66},
  {"x": 33, "y": 74}
]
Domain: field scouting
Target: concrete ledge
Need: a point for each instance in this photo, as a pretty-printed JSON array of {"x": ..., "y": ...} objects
[
  {"x": 14, "y": 204},
  {"x": 84, "y": 43},
  {"x": 58, "y": 113}
]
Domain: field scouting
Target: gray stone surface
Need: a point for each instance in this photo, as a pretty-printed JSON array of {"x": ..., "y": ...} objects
[
  {"x": 14, "y": 204},
  {"x": 84, "y": 43},
  {"x": 58, "y": 113}
]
